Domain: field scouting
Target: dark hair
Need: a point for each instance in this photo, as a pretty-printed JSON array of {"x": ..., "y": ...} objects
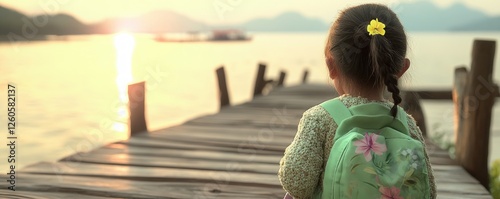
[{"x": 369, "y": 59}]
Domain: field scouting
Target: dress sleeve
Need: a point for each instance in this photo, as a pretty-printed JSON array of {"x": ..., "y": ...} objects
[
  {"x": 302, "y": 163},
  {"x": 416, "y": 133}
]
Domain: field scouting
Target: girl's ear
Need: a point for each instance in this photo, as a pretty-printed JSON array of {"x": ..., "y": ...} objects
[
  {"x": 332, "y": 69},
  {"x": 406, "y": 65}
]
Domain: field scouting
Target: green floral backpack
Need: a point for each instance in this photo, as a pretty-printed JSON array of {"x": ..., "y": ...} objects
[{"x": 373, "y": 155}]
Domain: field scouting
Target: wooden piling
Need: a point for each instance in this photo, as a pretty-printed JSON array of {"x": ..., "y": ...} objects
[
  {"x": 260, "y": 82},
  {"x": 304, "y": 76},
  {"x": 474, "y": 104},
  {"x": 136, "y": 96},
  {"x": 459, "y": 83},
  {"x": 281, "y": 79},
  {"x": 223, "y": 92},
  {"x": 411, "y": 104}
]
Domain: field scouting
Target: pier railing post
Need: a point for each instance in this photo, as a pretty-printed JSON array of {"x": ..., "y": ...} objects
[
  {"x": 260, "y": 81},
  {"x": 474, "y": 111},
  {"x": 459, "y": 83},
  {"x": 411, "y": 104},
  {"x": 136, "y": 95},
  {"x": 281, "y": 78},
  {"x": 304, "y": 76},
  {"x": 223, "y": 92}
]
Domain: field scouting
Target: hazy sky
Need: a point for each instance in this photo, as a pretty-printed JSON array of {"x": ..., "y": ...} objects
[{"x": 215, "y": 11}]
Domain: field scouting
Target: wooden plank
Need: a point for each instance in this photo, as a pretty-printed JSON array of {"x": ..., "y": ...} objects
[
  {"x": 245, "y": 120},
  {"x": 279, "y": 115},
  {"x": 452, "y": 173},
  {"x": 79, "y": 186},
  {"x": 171, "y": 162},
  {"x": 245, "y": 147},
  {"x": 278, "y": 136},
  {"x": 119, "y": 149},
  {"x": 274, "y": 134},
  {"x": 258, "y": 124},
  {"x": 231, "y": 175},
  {"x": 250, "y": 143},
  {"x": 22, "y": 194}
]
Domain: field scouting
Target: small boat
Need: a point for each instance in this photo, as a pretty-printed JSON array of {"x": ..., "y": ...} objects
[
  {"x": 229, "y": 35},
  {"x": 216, "y": 35}
]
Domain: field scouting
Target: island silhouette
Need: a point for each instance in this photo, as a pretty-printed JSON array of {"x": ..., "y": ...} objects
[{"x": 457, "y": 17}]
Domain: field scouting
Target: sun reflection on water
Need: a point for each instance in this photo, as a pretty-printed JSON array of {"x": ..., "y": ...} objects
[{"x": 124, "y": 44}]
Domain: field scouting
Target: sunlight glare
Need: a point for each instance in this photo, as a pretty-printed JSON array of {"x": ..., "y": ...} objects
[{"x": 124, "y": 44}]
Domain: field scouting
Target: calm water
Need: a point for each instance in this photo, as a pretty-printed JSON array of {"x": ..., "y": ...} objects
[{"x": 70, "y": 92}]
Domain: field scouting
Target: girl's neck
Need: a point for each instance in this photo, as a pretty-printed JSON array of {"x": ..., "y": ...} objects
[{"x": 370, "y": 94}]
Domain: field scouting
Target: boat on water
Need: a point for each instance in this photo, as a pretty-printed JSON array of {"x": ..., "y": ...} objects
[
  {"x": 215, "y": 35},
  {"x": 229, "y": 35}
]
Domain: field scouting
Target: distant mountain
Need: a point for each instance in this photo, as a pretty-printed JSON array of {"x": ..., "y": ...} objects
[
  {"x": 288, "y": 21},
  {"x": 152, "y": 22},
  {"x": 489, "y": 24},
  {"x": 416, "y": 16},
  {"x": 62, "y": 24},
  {"x": 10, "y": 21},
  {"x": 425, "y": 16}
]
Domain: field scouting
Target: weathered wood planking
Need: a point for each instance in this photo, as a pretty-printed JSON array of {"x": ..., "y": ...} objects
[{"x": 232, "y": 154}]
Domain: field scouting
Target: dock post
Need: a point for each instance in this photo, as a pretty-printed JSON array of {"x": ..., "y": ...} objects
[
  {"x": 136, "y": 95},
  {"x": 223, "y": 92},
  {"x": 459, "y": 83},
  {"x": 474, "y": 109},
  {"x": 411, "y": 104},
  {"x": 281, "y": 79},
  {"x": 260, "y": 82},
  {"x": 304, "y": 77}
]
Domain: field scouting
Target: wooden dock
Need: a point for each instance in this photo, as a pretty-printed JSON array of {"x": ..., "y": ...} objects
[{"x": 232, "y": 154}]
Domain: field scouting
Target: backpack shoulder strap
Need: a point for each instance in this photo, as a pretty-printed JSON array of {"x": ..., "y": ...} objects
[{"x": 337, "y": 110}]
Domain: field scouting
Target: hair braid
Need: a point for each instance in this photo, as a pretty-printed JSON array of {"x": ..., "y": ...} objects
[
  {"x": 384, "y": 67},
  {"x": 391, "y": 81}
]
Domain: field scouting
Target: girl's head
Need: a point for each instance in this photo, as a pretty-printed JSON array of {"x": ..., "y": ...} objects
[{"x": 365, "y": 63}]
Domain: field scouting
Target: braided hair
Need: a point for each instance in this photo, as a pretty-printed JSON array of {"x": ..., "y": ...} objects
[{"x": 369, "y": 59}]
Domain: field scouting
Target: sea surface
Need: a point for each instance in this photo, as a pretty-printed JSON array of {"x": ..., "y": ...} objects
[{"x": 71, "y": 91}]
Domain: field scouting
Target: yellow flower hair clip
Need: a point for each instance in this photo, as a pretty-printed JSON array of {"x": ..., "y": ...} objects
[{"x": 376, "y": 27}]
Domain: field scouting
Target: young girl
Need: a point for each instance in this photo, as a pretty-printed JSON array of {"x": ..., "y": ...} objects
[{"x": 365, "y": 54}]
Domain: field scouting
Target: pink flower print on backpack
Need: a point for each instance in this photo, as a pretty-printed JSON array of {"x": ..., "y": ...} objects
[{"x": 369, "y": 143}]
